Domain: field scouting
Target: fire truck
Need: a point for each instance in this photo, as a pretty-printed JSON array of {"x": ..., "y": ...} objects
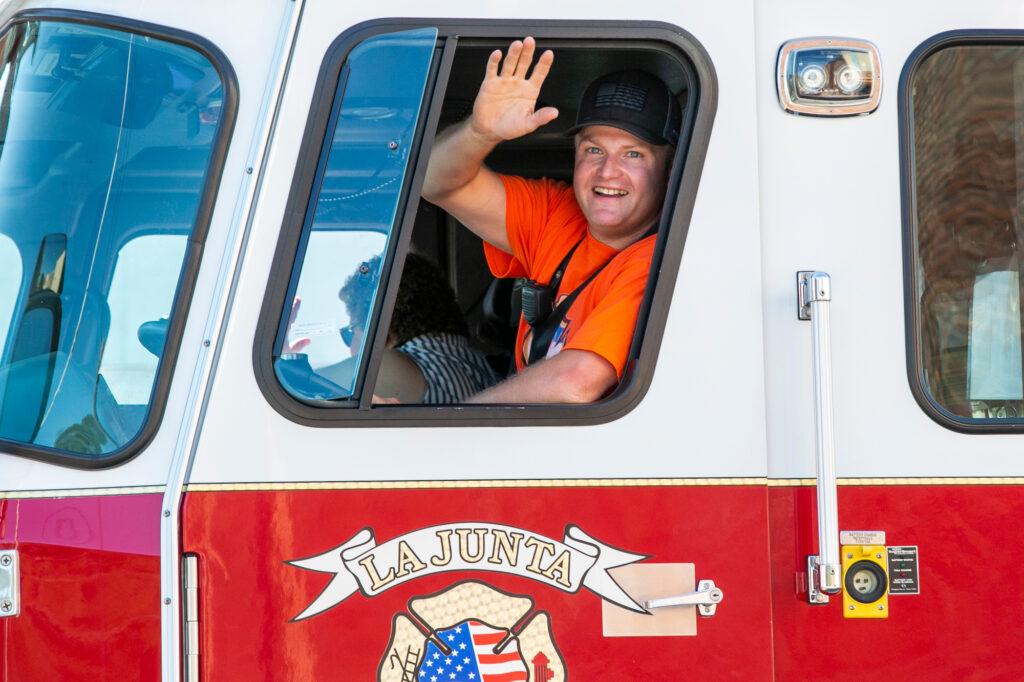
[{"x": 812, "y": 466}]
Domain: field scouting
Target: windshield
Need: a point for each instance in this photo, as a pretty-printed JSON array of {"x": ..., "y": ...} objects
[{"x": 105, "y": 143}]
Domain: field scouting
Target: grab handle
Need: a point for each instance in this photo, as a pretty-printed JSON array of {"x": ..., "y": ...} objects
[{"x": 814, "y": 294}]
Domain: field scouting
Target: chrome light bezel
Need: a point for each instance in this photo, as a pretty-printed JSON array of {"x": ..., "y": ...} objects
[{"x": 794, "y": 104}]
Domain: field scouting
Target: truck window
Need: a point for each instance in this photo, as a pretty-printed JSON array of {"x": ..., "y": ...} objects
[
  {"x": 352, "y": 213},
  {"x": 107, "y": 142},
  {"x": 377, "y": 145},
  {"x": 966, "y": 245},
  {"x": 141, "y": 294},
  {"x": 10, "y": 283}
]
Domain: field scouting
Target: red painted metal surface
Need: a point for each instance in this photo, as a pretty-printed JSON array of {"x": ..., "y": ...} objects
[
  {"x": 965, "y": 623},
  {"x": 248, "y": 593},
  {"x": 90, "y": 589}
]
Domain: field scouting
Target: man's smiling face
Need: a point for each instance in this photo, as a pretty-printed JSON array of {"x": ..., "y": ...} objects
[{"x": 619, "y": 181}]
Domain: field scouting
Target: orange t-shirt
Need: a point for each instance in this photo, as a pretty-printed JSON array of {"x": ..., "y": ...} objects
[{"x": 544, "y": 222}]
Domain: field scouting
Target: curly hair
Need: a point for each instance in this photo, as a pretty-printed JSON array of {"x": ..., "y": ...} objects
[{"x": 425, "y": 303}]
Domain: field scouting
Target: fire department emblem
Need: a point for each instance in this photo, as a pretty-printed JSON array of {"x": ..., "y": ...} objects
[{"x": 471, "y": 632}]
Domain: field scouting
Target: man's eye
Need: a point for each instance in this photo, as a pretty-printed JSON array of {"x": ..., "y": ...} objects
[
  {"x": 593, "y": 150},
  {"x": 633, "y": 154}
]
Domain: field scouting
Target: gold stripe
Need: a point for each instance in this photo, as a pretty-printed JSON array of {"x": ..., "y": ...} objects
[
  {"x": 951, "y": 480},
  {"x": 507, "y": 483},
  {"x": 592, "y": 483},
  {"x": 499, "y": 483},
  {"x": 80, "y": 492}
]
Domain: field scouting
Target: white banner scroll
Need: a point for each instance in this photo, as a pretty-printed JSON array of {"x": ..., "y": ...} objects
[{"x": 360, "y": 564}]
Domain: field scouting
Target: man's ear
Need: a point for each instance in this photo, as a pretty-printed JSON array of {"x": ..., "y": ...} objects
[{"x": 670, "y": 156}]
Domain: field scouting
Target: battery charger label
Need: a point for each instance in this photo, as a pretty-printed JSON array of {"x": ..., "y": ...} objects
[{"x": 903, "y": 573}]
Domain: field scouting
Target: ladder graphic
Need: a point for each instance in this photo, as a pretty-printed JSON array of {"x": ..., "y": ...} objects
[{"x": 412, "y": 657}]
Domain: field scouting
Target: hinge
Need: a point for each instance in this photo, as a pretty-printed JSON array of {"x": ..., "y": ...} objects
[
  {"x": 10, "y": 589},
  {"x": 190, "y": 615}
]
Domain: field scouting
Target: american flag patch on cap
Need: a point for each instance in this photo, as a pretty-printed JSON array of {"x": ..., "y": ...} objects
[{"x": 621, "y": 95}]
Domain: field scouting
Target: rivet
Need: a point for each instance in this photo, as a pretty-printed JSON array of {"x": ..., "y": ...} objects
[
  {"x": 6, "y": 605},
  {"x": 393, "y": 145},
  {"x": 849, "y": 555},
  {"x": 167, "y": 600},
  {"x": 851, "y": 607},
  {"x": 881, "y": 608},
  {"x": 206, "y": 343},
  {"x": 167, "y": 513},
  {"x": 249, "y": 170},
  {"x": 5, "y": 560},
  {"x": 878, "y": 555}
]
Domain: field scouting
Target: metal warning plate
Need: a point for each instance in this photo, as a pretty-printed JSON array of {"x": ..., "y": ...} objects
[{"x": 903, "y": 570}]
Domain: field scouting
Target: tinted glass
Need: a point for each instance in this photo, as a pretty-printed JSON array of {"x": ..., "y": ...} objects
[
  {"x": 968, "y": 142},
  {"x": 105, "y": 136},
  {"x": 352, "y": 214}
]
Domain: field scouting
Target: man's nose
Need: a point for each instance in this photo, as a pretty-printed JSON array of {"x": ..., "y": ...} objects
[{"x": 609, "y": 168}]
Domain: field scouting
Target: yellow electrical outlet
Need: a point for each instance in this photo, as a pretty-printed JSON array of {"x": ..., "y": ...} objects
[{"x": 865, "y": 581}]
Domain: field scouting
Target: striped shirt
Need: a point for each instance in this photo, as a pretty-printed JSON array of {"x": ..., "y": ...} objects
[{"x": 453, "y": 369}]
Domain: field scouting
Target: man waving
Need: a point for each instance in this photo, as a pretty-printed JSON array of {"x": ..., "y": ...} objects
[{"x": 586, "y": 249}]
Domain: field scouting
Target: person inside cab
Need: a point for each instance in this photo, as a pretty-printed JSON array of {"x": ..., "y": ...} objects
[
  {"x": 428, "y": 356},
  {"x": 585, "y": 250}
]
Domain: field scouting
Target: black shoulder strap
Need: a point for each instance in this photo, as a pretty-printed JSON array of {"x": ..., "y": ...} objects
[{"x": 556, "y": 277}]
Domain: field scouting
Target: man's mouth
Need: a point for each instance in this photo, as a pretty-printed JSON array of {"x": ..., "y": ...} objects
[{"x": 610, "y": 192}]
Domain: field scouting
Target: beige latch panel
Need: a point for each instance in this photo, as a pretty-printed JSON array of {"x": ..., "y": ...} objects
[{"x": 651, "y": 581}]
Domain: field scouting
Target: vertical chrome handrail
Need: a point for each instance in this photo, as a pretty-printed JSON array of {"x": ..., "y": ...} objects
[
  {"x": 814, "y": 294},
  {"x": 216, "y": 323}
]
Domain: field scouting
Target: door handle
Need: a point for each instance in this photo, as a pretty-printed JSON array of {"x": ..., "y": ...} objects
[
  {"x": 706, "y": 599},
  {"x": 824, "y": 572}
]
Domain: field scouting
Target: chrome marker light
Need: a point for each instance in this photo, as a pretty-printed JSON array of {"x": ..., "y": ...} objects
[{"x": 829, "y": 77}]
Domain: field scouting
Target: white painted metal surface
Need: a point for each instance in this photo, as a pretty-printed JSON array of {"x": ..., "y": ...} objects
[
  {"x": 708, "y": 383},
  {"x": 730, "y": 396},
  {"x": 881, "y": 428}
]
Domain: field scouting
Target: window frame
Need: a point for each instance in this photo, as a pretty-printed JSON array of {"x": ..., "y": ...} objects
[
  {"x": 685, "y": 175},
  {"x": 196, "y": 240},
  {"x": 908, "y": 198}
]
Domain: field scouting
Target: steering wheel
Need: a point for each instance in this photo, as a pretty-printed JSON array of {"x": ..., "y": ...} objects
[{"x": 300, "y": 379}]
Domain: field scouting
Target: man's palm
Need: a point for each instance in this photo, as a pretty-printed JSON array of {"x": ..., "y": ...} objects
[{"x": 505, "y": 106}]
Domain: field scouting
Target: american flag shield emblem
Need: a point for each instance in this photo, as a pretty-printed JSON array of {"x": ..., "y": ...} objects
[
  {"x": 473, "y": 656},
  {"x": 424, "y": 646}
]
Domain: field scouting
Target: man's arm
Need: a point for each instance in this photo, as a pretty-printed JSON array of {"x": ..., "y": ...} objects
[
  {"x": 572, "y": 376},
  {"x": 457, "y": 179}
]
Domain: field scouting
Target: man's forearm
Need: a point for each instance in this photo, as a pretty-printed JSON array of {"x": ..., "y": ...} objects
[
  {"x": 572, "y": 376},
  {"x": 457, "y": 159}
]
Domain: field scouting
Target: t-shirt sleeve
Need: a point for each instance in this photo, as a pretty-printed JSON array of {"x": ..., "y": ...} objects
[
  {"x": 608, "y": 329},
  {"x": 528, "y": 206}
]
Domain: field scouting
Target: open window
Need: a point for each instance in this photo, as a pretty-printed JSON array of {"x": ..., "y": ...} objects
[{"x": 338, "y": 299}]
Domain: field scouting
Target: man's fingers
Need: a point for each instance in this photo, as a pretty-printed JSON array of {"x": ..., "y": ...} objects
[
  {"x": 492, "y": 65},
  {"x": 526, "y": 57},
  {"x": 544, "y": 116},
  {"x": 540, "y": 71},
  {"x": 508, "y": 69}
]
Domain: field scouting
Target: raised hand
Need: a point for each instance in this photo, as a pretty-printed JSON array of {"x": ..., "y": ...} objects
[
  {"x": 505, "y": 106},
  {"x": 297, "y": 345}
]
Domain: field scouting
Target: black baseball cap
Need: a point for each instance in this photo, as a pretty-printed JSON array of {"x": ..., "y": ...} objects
[{"x": 635, "y": 101}]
